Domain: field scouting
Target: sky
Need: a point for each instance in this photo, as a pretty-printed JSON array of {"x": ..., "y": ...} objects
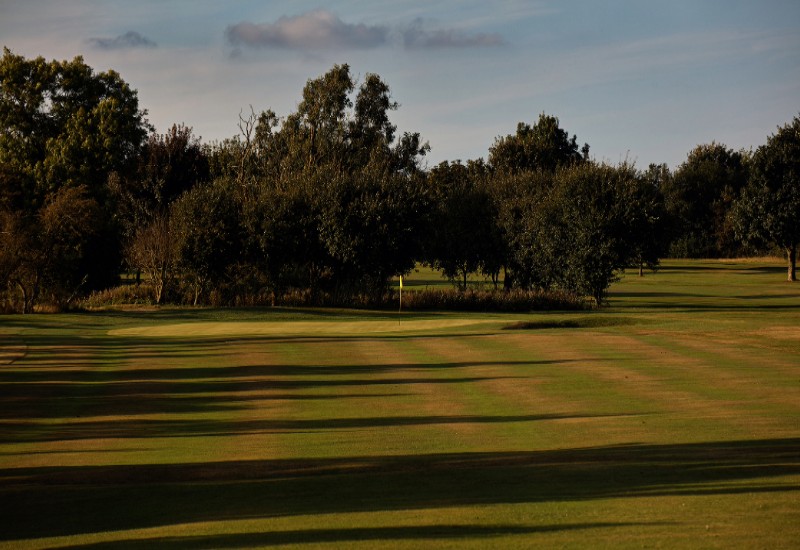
[{"x": 638, "y": 80}]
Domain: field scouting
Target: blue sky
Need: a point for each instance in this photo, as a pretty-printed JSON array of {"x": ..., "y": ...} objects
[{"x": 641, "y": 80}]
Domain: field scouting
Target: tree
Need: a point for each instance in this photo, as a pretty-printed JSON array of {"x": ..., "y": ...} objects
[
  {"x": 64, "y": 125},
  {"x": 597, "y": 236},
  {"x": 543, "y": 146},
  {"x": 699, "y": 197},
  {"x": 332, "y": 188},
  {"x": 575, "y": 229},
  {"x": 50, "y": 252},
  {"x": 282, "y": 233},
  {"x": 169, "y": 165},
  {"x": 646, "y": 217},
  {"x": 371, "y": 133},
  {"x": 372, "y": 225},
  {"x": 322, "y": 112},
  {"x": 206, "y": 227},
  {"x": 16, "y": 243},
  {"x": 154, "y": 251},
  {"x": 465, "y": 237},
  {"x": 768, "y": 210}
]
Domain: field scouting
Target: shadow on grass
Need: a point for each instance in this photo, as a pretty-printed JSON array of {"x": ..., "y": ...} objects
[
  {"x": 53, "y": 501},
  {"x": 679, "y": 302},
  {"x": 310, "y": 536},
  {"x": 16, "y": 432},
  {"x": 103, "y": 377},
  {"x": 598, "y": 321}
]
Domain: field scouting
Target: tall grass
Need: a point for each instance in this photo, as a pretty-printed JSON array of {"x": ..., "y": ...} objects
[{"x": 428, "y": 299}]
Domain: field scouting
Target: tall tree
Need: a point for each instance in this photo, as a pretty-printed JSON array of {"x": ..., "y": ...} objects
[
  {"x": 64, "y": 125},
  {"x": 322, "y": 112},
  {"x": 371, "y": 131},
  {"x": 768, "y": 210},
  {"x": 335, "y": 186}
]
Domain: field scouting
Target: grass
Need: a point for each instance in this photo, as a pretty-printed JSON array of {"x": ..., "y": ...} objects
[{"x": 669, "y": 419}]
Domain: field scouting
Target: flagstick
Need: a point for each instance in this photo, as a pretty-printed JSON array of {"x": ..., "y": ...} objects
[{"x": 401, "y": 299}]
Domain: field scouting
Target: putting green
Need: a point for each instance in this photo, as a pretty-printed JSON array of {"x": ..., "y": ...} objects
[{"x": 297, "y": 328}]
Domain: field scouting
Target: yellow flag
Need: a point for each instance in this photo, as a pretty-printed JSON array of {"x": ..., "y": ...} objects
[{"x": 401, "y": 282}]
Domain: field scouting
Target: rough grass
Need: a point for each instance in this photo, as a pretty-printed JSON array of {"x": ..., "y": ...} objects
[{"x": 670, "y": 419}]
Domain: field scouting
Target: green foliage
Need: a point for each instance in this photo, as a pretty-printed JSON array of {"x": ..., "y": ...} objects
[
  {"x": 372, "y": 224},
  {"x": 65, "y": 131},
  {"x": 699, "y": 197},
  {"x": 330, "y": 202},
  {"x": 50, "y": 253},
  {"x": 465, "y": 237},
  {"x": 168, "y": 165},
  {"x": 769, "y": 208},
  {"x": 543, "y": 146},
  {"x": 64, "y": 125},
  {"x": 206, "y": 226},
  {"x": 578, "y": 228}
]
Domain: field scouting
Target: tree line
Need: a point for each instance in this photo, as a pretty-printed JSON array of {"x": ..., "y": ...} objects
[{"x": 330, "y": 202}]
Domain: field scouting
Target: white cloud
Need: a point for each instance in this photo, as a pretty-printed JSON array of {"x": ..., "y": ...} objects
[
  {"x": 321, "y": 30},
  {"x": 316, "y": 30}
]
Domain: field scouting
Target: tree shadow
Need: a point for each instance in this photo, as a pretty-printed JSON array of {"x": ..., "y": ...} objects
[
  {"x": 30, "y": 432},
  {"x": 71, "y": 500},
  {"x": 58, "y": 381},
  {"x": 345, "y": 535}
]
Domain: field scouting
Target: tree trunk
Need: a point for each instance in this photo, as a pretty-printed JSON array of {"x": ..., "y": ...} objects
[
  {"x": 791, "y": 256},
  {"x": 507, "y": 282},
  {"x": 24, "y": 297},
  {"x": 159, "y": 283},
  {"x": 641, "y": 269}
]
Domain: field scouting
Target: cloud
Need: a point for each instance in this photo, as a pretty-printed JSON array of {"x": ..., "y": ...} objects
[
  {"x": 129, "y": 40},
  {"x": 315, "y": 30},
  {"x": 416, "y": 36}
]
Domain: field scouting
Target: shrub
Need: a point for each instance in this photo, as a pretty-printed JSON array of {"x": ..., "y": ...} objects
[
  {"x": 516, "y": 301},
  {"x": 142, "y": 294}
]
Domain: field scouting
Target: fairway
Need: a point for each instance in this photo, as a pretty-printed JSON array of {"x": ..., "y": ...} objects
[{"x": 670, "y": 418}]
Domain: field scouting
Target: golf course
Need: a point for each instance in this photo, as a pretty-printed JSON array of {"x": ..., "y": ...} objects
[{"x": 669, "y": 418}]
